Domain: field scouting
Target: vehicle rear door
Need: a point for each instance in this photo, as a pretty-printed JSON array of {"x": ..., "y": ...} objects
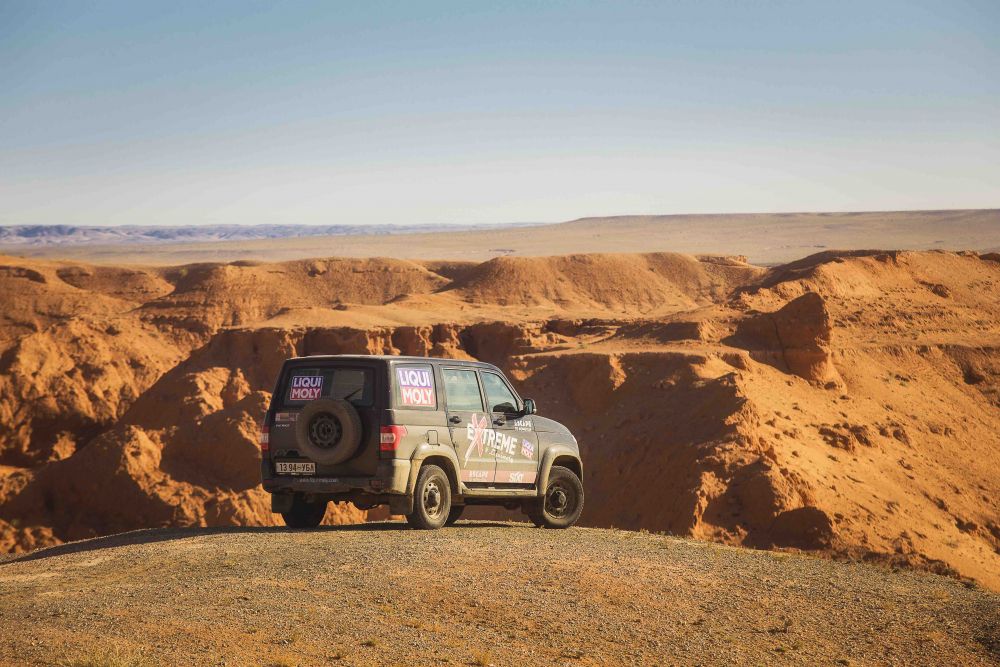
[
  {"x": 469, "y": 424},
  {"x": 514, "y": 440},
  {"x": 307, "y": 380}
]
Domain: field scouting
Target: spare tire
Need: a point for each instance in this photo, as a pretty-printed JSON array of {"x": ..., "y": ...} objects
[{"x": 328, "y": 430}]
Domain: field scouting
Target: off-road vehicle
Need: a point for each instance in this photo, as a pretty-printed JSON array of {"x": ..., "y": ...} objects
[{"x": 427, "y": 437}]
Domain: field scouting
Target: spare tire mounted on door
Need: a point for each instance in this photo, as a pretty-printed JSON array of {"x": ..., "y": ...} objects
[{"x": 328, "y": 430}]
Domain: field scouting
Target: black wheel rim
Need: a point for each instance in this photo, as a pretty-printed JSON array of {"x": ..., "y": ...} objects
[
  {"x": 325, "y": 430},
  {"x": 432, "y": 499},
  {"x": 560, "y": 500}
]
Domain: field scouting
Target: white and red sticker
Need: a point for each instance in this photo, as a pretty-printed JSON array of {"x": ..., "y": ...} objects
[
  {"x": 483, "y": 438},
  {"x": 477, "y": 475},
  {"x": 416, "y": 386},
  {"x": 305, "y": 387},
  {"x": 527, "y": 449},
  {"x": 523, "y": 425},
  {"x": 516, "y": 476},
  {"x": 476, "y": 430}
]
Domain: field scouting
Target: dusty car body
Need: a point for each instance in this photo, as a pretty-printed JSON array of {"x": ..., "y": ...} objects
[{"x": 427, "y": 437}]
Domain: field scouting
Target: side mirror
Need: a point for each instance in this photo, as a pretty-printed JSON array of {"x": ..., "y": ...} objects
[{"x": 529, "y": 406}]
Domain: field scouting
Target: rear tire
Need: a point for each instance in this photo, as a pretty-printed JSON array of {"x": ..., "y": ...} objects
[
  {"x": 454, "y": 515},
  {"x": 431, "y": 499},
  {"x": 562, "y": 503},
  {"x": 328, "y": 431},
  {"x": 304, "y": 513}
]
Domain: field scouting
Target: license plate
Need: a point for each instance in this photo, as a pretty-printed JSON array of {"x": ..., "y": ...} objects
[{"x": 295, "y": 468}]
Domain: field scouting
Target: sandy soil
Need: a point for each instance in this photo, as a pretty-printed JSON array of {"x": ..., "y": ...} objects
[
  {"x": 764, "y": 238},
  {"x": 846, "y": 404},
  {"x": 475, "y": 594}
]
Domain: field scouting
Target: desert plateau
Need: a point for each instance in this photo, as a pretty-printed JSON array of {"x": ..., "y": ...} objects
[
  {"x": 844, "y": 404},
  {"x": 479, "y": 593},
  {"x": 764, "y": 238}
]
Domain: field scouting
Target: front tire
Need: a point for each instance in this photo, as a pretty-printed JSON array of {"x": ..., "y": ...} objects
[
  {"x": 431, "y": 499},
  {"x": 304, "y": 514},
  {"x": 562, "y": 503}
]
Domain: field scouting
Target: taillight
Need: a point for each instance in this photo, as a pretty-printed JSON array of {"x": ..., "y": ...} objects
[
  {"x": 265, "y": 437},
  {"x": 390, "y": 436}
]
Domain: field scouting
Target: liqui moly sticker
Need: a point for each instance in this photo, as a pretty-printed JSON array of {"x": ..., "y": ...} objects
[
  {"x": 416, "y": 386},
  {"x": 305, "y": 387},
  {"x": 527, "y": 449}
]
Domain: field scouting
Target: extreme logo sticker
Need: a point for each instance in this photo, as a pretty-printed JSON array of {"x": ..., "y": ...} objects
[
  {"x": 476, "y": 432},
  {"x": 416, "y": 386},
  {"x": 305, "y": 387},
  {"x": 483, "y": 438}
]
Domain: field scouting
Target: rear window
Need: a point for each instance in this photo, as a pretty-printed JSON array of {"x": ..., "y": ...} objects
[{"x": 308, "y": 384}]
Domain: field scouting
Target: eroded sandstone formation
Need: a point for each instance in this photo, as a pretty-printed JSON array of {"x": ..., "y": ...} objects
[{"x": 846, "y": 403}]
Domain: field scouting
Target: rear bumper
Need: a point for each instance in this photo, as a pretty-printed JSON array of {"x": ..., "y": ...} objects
[{"x": 390, "y": 477}]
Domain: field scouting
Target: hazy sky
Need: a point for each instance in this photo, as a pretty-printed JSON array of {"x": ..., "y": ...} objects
[{"x": 371, "y": 112}]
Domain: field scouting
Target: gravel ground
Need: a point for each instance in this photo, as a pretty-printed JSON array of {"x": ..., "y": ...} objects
[{"x": 480, "y": 593}]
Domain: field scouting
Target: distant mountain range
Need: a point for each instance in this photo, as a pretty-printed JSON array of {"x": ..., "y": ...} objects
[{"x": 60, "y": 235}]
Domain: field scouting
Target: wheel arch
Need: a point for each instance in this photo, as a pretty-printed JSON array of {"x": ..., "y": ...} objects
[
  {"x": 432, "y": 455},
  {"x": 561, "y": 455},
  {"x": 571, "y": 462}
]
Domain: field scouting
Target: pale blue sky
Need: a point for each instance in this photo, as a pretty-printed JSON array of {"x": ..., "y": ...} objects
[{"x": 466, "y": 112}]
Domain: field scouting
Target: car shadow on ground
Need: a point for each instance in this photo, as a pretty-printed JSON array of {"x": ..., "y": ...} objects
[{"x": 152, "y": 535}]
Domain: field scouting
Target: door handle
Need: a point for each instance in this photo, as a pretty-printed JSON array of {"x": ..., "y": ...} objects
[
  {"x": 499, "y": 421},
  {"x": 454, "y": 419}
]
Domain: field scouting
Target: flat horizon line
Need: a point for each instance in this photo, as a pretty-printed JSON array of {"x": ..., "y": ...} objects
[{"x": 489, "y": 224}]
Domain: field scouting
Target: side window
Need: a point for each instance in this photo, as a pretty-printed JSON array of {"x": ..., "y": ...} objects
[
  {"x": 415, "y": 387},
  {"x": 462, "y": 389},
  {"x": 498, "y": 394}
]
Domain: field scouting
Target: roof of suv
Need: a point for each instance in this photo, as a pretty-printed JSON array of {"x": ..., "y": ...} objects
[{"x": 391, "y": 357}]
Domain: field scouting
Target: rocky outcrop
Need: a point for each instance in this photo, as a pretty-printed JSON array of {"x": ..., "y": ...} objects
[
  {"x": 797, "y": 338},
  {"x": 130, "y": 398}
]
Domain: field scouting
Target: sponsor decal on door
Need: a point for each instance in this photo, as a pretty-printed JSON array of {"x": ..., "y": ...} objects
[
  {"x": 476, "y": 475},
  {"x": 416, "y": 386},
  {"x": 527, "y": 449},
  {"x": 523, "y": 425},
  {"x": 305, "y": 387},
  {"x": 516, "y": 477},
  {"x": 483, "y": 438}
]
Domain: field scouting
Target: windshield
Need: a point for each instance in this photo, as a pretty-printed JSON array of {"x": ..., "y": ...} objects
[{"x": 308, "y": 384}]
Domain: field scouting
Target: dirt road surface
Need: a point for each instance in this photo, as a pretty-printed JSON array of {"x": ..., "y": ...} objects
[{"x": 480, "y": 593}]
